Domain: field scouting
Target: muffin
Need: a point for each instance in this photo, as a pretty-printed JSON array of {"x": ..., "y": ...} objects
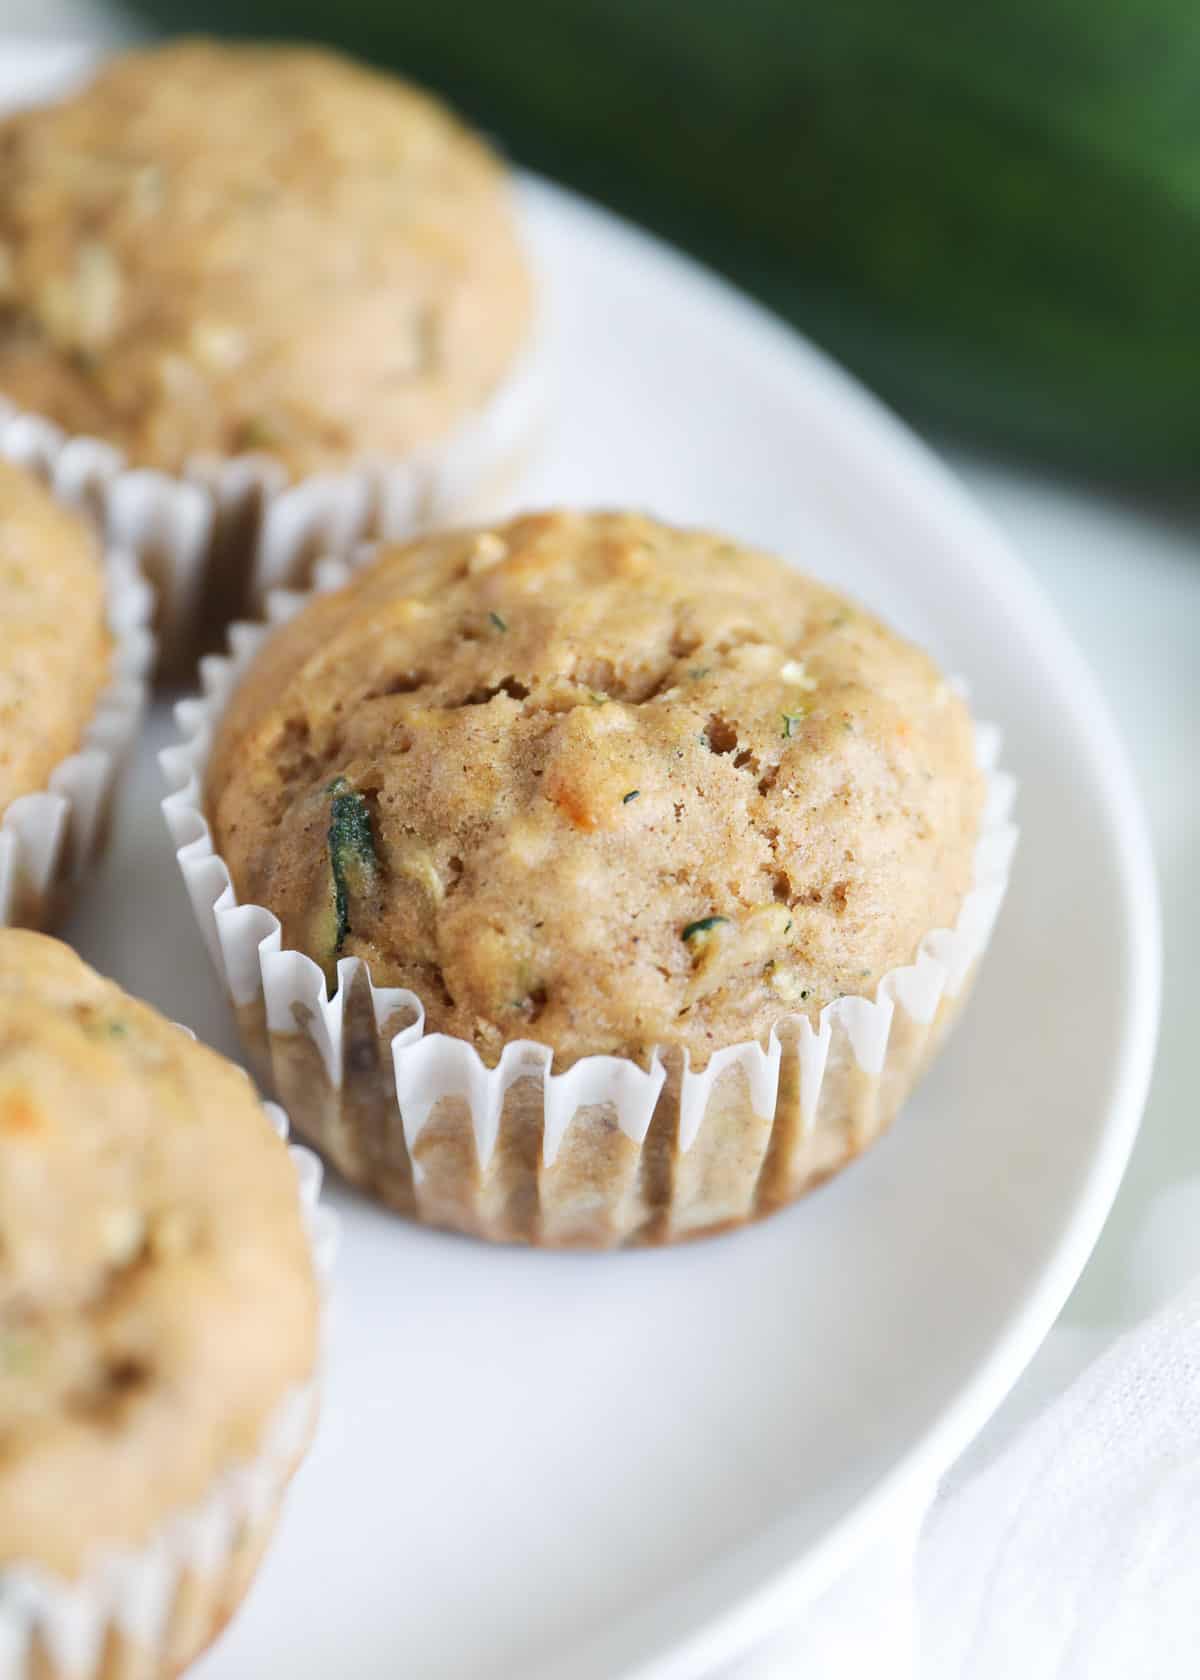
[
  {"x": 158, "y": 1327},
  {"x": 644, "y": 841},
  {"x": 71, "y": 661},
  {"x": 282, "y": 255}
]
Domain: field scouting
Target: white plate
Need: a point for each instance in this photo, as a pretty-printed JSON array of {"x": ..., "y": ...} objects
[{"x": 541, "y": 1466}]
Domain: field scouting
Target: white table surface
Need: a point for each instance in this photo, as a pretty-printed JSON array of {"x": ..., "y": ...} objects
[{"x": 1125, "y": 574}]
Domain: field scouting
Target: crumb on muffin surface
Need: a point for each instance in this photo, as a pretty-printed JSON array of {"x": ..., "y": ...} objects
[
  {"x": 55, "y": 647},
  {"x": 217, "y": 249},
  {"x": 156, "y": 1292},
  {"x": 598, "y": 782}
]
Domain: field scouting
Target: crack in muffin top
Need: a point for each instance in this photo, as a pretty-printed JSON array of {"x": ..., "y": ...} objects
[
  {"x": 157, "y": 1297},
  {"x": 216, "y": 249},
  {"x": 599, "y": 782}
]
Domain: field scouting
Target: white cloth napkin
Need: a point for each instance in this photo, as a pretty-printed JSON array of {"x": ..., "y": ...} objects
[{"x": 1066, "y": 1547}]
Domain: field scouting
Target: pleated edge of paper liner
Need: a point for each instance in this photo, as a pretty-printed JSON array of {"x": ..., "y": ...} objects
[
  {"x": 243, "y": 524},
  {"x": 49, "y": 839},
  {"x": 244, "y": 943},
  {"x": 50, "y": 1627}
]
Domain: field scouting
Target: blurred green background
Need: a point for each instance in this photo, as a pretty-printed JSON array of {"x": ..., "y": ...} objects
[{"x": 991, "y": 212}]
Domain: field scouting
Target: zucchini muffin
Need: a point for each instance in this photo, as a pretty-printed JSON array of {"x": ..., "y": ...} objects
[
  {"x": 214, "y": 250},
  {"x": 56, "y": 651},
  {"x": 158, "y": 1314},
  {"x": 623, "y": 791}
]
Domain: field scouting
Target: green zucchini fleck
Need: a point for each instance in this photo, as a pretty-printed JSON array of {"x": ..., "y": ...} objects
[
  {"x": 704, "y": 925},
  {"x": 791, "y": 720},
  {"x": 631, "y": 795},
  {"x": 98, "y": 1026},
  {"x": 352, "y": 861},
  {"x": 498, "y": 621},
  {"x": 18, "y": 1351},
  {"x": 257, "y": 433}
]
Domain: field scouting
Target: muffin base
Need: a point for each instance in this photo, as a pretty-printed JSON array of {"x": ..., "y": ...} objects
[
  {"x": 215, "y": 539},
  {"x": 49, "y": 840},
  {"x": 607, "y": 1153},
  {"x": 603, "y": 1189},
  {"x": 202, "y": 1608},
  {"x": 148, "y": 1614}
]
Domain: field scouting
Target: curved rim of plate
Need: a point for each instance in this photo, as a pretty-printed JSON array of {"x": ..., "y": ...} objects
[{"x": 745, "y": 1597}]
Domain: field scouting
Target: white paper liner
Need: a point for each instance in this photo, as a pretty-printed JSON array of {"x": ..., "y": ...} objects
[
  {"x": 244, "y": 521},
  {"x": 285, "y": 991},
  {"x": 48, "y": 839},
  {"x": 134, "y": 1596}
]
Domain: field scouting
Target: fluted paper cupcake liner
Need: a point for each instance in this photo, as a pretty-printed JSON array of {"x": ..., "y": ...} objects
[
  {"x": 145, "y": 1613},
  {"x": 606, "y": 1152},
  {"x": 217, "y": 538},
  {"x": 49, "y": 839}
]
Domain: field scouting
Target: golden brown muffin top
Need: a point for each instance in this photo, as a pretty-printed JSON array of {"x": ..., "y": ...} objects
[
  {"x": 55, "y": 649},
  {"x": 598, "y": 782},
  {"x": 217, "y": 249},
  {"x": 157, "y": 1297}
]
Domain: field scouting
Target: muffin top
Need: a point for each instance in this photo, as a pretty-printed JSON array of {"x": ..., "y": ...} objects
[
  {"x": 55, "y": 650},
  {"x": 215, "y": 249},
  {"x": 597, "y": 782},
  {"x": 157, "y": 1298}
]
